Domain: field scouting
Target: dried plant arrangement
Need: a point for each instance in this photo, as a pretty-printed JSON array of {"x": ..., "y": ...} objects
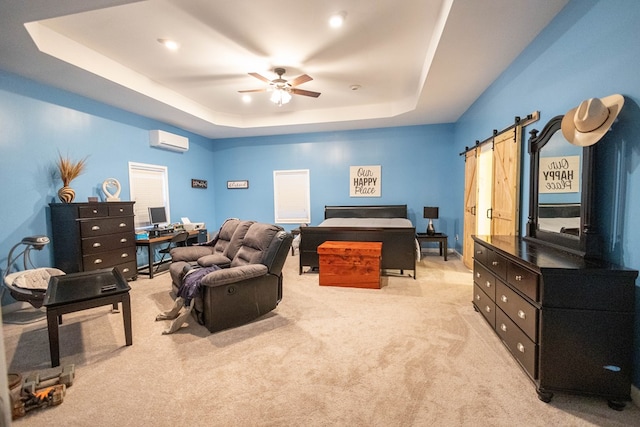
[{"x": 69, "y": 169}]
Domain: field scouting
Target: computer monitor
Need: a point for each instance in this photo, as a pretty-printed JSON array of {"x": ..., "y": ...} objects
[{"x": 157, "y": 216}]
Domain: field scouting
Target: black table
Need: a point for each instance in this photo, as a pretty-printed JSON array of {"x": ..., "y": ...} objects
[
  {"x": 441, "y": 238},
  {"x": 80, "y": 291}
]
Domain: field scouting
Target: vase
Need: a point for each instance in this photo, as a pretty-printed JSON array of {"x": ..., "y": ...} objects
[{"x": 66, "y": 194}]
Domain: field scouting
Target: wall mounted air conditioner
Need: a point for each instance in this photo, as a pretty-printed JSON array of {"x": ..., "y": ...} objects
[{"x": 168, "y": 141}]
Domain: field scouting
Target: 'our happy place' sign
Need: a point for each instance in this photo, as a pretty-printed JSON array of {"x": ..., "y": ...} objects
[
  {"x": 559, "y": 174},
  {"x": 365, "y": 181}
]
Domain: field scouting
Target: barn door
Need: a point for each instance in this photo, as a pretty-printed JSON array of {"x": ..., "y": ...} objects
[
  {"x": 506, "y": 183},
  {"x": 470, "y": 195}
]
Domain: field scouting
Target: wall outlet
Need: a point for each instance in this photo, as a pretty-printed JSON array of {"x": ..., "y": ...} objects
[{"x": 457, "y": 238}]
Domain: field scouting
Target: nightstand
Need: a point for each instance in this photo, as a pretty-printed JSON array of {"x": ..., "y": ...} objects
[{"x": 440, "y": 238}]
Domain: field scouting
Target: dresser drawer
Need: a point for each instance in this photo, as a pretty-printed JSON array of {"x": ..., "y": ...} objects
[
  {"x": 520, "y": 346},
  {"x": 99, "y": 227},
  {"x": 93, "y": 211},
  {"x": 523, "y": 280},
  {"x": 518, "y": 309},
  {"x": 497, "y": 263},
  {"x": 94, "y": 245},
  {"x": 120, "y": 210},
  {"x": 483, "y": 278},
  {"x": 480, "y": 253},
  {"x": 108, "y": 259},
  {"x": 128, "y": 269},
  {"x": 485, "y": 305}
]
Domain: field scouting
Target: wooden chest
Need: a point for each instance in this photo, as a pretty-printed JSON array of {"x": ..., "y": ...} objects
[{"x": 350, "y": 264}]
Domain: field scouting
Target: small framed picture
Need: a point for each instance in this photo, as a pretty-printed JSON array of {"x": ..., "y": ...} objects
[{"x": 237, "y": 185}]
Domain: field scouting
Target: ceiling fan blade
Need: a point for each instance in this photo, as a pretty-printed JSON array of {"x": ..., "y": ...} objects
[
  {"x": 259, "y": 77},
  {"x": 300, "y": 79},
  {"x": 252, "y": 90},
  {"x": 305, "y": 92}
]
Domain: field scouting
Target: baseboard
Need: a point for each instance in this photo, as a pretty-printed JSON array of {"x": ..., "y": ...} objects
[{"x": 635, "y": 395}]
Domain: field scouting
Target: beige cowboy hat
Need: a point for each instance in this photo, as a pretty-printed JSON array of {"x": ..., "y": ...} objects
[{"x": 586, "y": 124}]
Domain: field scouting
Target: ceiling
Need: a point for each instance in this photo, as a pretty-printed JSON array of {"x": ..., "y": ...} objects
[{"x": 413, "y": 61}]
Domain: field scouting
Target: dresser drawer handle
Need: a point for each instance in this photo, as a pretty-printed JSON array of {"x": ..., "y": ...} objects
[
  {"x": 522, "y": 314},
  {"x": 97, "y": 245},
  {"x": 520, "y": 347},
  {"x": 125, "y": 270},
  {"x": 494, "y": 263},
  {"x": 503, "y": 327},
  {"x": 518, "y": 278},
  {"x": 124, "y": 255},
  {"x": 95, "y": 228},
  {"x": 95, "y": 211},
  {"x": 504, "y": 298},
  {"x": 487, "y": 309},
  {"x": 477, "y": 297},
  {"x": 488, "y": 284},
  {"x": 97, "y": 261},
  {"x": 121, "y": 210},
  {"x": 478, "y": 274},
  {"x": 122, "y": 224},
  {"x": 478, "y": 252},
  {"x": 123, "y": 240}
]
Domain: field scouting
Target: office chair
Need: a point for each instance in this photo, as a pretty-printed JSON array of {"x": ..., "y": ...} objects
[
  {"x": 178, "y": 239},
  {"x": 30, "y": 284}
]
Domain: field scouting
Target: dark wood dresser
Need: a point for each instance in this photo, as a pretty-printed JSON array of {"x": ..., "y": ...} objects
[
  {"x": 91, "y": 236},
  {"x": 568, "y": 321}
]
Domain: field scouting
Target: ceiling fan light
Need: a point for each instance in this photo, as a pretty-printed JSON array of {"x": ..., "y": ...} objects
[{"x": 280, "y": 97}]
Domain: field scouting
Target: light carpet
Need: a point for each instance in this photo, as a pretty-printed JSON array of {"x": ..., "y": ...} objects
[{"x": 413, "y": 353}]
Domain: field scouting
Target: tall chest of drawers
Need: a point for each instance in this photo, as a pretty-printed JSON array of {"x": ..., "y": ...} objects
[
  {"x": 91, "y": 236},
  {"x": 567, "y": 321}
]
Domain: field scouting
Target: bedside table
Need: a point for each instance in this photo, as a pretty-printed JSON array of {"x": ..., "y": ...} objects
[{"x": 440, "y": 238}]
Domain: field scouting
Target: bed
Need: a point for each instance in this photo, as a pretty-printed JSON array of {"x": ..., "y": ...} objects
[{"x": 383, "y": 223}]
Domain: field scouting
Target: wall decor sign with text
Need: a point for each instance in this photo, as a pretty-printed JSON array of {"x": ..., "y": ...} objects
[
  {"x": 235, "y": 185},
  {"x": 559, "y": 174},
  {"x": 198, "y": 183},
  {"x": 364, "y": 181}
]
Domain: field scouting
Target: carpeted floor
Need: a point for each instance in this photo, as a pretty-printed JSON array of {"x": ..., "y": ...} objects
[{"x": 413, "y": 353}]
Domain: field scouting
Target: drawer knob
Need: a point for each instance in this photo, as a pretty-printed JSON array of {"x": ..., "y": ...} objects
[
  {"x": 122, "y": 224},
  {"x": 95, "y": 211},
  {"x": 518, "y": 278},
  {"x": 488, "y": 284},
  {"x": 504, "y": 298},
  {"x": 95, "y": 228},
  {"x": 123, "y": 240},
  {"x": 97, "y": 245},
  {"x": 488, "y": 309},
  {"x": 124, "y": 255},
  {"x": 503, "y": 327},
  {"x": 125, "y": 270},
  {"x": 121, "y": 210},
  {"x": 477, "y": 297},
  {"x": 522, "y": 314},
  {"x": 520, "y": 347},
  {"x": 494, "y": 263},
  {"x": 97, "y": 261},
  {"x": 478, "y": 275}
]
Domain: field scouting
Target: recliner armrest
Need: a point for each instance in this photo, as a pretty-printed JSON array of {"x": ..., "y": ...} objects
[
  {"x": 190, "y": 253},
  {"x": 234, "y": 274}
]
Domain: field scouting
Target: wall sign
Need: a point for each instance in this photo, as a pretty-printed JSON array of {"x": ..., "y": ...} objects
[
  {"x": 198, "y": 183},
  {"x": 559, "y": 174},
  {"x": 238, "y": 184},
  {"x": 364, "y": 181}
]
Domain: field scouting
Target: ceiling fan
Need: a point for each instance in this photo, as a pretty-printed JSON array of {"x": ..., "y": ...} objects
[{"x": 282, "y": 88}]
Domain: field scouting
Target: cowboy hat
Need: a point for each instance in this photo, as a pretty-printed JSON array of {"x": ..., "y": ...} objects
[{"x": 586, "y": 124}]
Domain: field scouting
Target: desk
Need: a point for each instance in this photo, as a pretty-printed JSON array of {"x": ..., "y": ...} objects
[
  {"x": 441, "y": 238},
  {"x": 80, "y": 291},
  {"x": 195, "y": 236}
]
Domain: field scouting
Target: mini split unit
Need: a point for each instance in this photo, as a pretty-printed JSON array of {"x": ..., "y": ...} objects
[{"x": 168, "y": 141}]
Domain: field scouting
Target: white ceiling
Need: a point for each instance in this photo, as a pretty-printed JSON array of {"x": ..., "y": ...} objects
[{"x": 416, "y": 61}]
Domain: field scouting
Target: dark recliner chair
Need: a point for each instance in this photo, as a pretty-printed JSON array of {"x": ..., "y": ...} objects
[{"x": 251, "y": 283}]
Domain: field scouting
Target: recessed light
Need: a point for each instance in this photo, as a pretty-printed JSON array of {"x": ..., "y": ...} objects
[
  {"x": 336, "y": 20},
  {"x": 246, "y": 99},
  {"x": 169, "y": 44}
]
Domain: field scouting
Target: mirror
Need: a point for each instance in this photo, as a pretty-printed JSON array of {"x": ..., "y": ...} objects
[{"x": 560, "y": 207}]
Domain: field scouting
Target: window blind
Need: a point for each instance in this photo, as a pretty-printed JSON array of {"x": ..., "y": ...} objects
[
  {"x": 149, "y": 187},
  {"x": 291, "y": 196}
]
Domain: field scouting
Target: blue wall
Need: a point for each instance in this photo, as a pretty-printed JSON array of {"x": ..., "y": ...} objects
[{"x": 589, "y": 50}]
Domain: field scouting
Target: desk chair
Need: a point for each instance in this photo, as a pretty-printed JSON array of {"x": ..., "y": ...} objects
[{"x": 178, "y": 239}]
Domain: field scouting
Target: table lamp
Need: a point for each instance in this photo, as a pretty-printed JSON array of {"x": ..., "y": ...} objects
[{"x": 431, "y": 213}]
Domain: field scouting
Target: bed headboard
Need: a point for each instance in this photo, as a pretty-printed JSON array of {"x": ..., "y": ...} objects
[{"x": 379, "y": 211}]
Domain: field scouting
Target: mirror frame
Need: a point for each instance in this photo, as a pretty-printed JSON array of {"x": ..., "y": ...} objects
[{"x": 586, "y": 244}]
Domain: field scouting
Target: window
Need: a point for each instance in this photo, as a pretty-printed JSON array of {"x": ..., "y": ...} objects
[
  {"x": 149, "y": 187},
  {"x": 291, "y": 196}
]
